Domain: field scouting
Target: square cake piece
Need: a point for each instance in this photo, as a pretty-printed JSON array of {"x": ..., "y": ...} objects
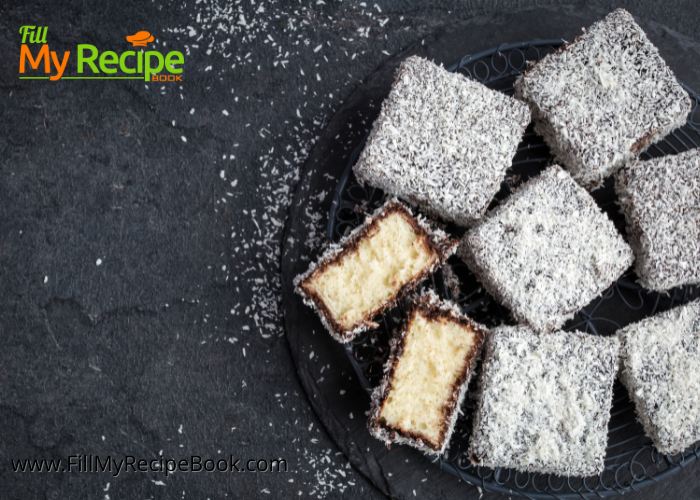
[
  {"x": 661, "y": 202},
  {"x": 547, "y": 251},
  {"x": 660, "y": 366},
  {"x": 544, "y": 401},
  {"x": 603, "y": 99},
  {"x": 372, "y": 268},
  {"x": 442, "y": 141},
  {"x": 426, "y": 376}
]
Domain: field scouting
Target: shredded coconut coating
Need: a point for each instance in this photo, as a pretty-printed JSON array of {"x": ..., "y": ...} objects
[
  {"x": 661, "y": 202},
  {"x": 442, "y": 141},
  {"x": 443, "y": 245},
  {"x": 547, "y": 251},
  {"x": 660, "y": 366},
  {"x": 452, "y": 410},
  {"x": 544, "y": 401},
  {"x": 603, "y": 99}
]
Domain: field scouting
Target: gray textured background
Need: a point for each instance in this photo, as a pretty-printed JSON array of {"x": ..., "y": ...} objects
[{"x": 175, "y": 343}]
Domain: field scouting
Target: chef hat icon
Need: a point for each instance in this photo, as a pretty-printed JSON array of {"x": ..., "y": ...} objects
[{"x": 140, "y": 39}]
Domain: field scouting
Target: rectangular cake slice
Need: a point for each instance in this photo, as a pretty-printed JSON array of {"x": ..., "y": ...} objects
[
  {"x": 660, "y": 366},
  {"x": 661, "y": 202},
  {"x": 426, "y": 376},
  {"x": 442, "y": 141},
  {"x": 603, "y": 99},
  {"x": 544, "y": 401},
  {"x": 547, "y": 251},
  {"x": 372, "y": 268}
]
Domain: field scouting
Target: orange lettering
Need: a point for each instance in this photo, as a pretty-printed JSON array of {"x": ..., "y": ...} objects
[
  {"x": 60, "y": 67},
  {"x": 34, "y": 63}
]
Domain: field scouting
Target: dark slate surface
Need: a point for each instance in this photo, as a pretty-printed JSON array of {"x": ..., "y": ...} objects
[{"x": 162, "y": 349}]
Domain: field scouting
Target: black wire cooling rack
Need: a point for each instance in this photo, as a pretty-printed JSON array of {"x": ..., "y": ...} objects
[{"x": 631, "y": 460}]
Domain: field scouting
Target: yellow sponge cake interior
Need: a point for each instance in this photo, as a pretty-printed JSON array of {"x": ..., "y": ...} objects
[
  {"x": 372, "y": 268},
  {"x": 392, "y": 254},
  {"x": 434, "y": 357},
  {"x": 426, "y": 376}
]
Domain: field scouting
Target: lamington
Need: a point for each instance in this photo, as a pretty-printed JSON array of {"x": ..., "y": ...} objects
[
  {"x": 426, "y": 376},
  {"x": 547, "y": 251},
  {"x": 372, "y": 268},
  {"x": 661, "y": 202},
  {"x": 660, "y": 366},
  {"x": 442, "y": 141},
  {"x": 544, "y": 401},
  {"x": 601, "y": 100}
]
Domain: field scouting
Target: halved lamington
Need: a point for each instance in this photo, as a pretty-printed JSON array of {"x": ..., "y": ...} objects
[
  {"x": 660, "y": 366},
  {"x": 426, "y": 376},
  {"x": 442, "y": 141},
  {"x": 547, "y": 251},
  {"x": 544, "y": 401},
  {"x": 661, "y": 202},
  {"x": 372, "y": 268},
  {"x": 603, "y": 99}
]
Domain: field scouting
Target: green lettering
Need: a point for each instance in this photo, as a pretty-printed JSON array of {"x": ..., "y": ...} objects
[
  {"x": 24, "y": 31},
  {"x": 39, "y": 37},
  {"x": 178, "y": 59},
  {"x": 106, "y": 58},
  {"x": 140, "y": 62},
  {"x": 122, "y": 62},
  {"x": 149, "y": 68},
  {"x": 89, "y": 60}
]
